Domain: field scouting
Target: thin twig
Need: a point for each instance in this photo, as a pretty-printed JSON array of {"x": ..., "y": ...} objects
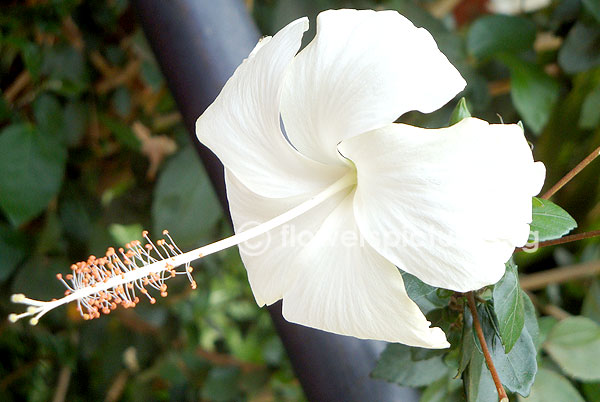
[
  {"x": 118, "y": 385},
  {"x": 540, "y": 280},
  {"x": 502, "y": 397},
  {"x": 219, "y": 359},
  {"x": 64, "y": 377},
  {"x": 567, "y": 178},
  {"x": 562, "y": 240},
  {"x": 18, "y": 84},
  {"x": 127, "y": 74},
  {"x": 548, "y": 309},
  {"x": 497, "y": 88}
]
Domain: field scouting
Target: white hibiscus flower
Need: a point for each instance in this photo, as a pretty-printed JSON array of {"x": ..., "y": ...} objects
[
  {"x": 360, "y": 195},
  {"x": 345, "y": 197}
]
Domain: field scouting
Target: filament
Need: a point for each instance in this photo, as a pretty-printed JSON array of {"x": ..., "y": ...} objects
[
  {"x": 125, "y": 276},
  {"x": 119, "y": 278}
]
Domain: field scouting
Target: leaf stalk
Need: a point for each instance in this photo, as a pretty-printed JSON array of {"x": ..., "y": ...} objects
[
  {"x": 562, "y": 240},
  {"x": 567, "y": 178},
  {"x": 502, "y": 397}
]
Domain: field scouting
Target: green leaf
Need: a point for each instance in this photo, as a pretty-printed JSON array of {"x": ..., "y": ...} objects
[
  {"x": 50, "y": 241},
  {"x": 545, "y": 324},
  {"x": 531, "y": 320},
  {"x": 75, "y": 122},
  {"x": 427, "y": 297},
  {"x": 123, "y": 234},
  {"x": 67, "y": 123},
  {"x": 33, "y": 58},
  {"x": 494, "y": 34},
  {"x": 32, "y": 167},
  {"x": 48, "y": 115},
  {"x": 591, "y": 390},
  {"x": 13, "y": 249},
  {"x": 75, "y": 217},
  {"x": 467, "y": 342},
  {"x": 5, "y": 112},
  {"x": 122, "y": 101},
  {"x": 533, "y": 92},
  {"x": 552, "y": 387},
  {"x": 398, "y": 364},
  {"x": 518, "y": 367},
  {"x": 479, "y": 385},
  {"x": 460, "y": 112},
  {"x": 151, "y": 74},
  {"x": 184, "y": 200},
  {"x": 593, "y": 7},
  {"x": 37, "y": 278},
  {"x": 508, "y": 307},
  {"x": 589, "y": 117},
  {"x": 574, "y": 344},
  {"x": 221, "y": 384},
  {"x": 69, "y": 81},
  {"x": 446, "y": 389},
  {"x": 122, "y": 132},
  {"x": 591, "y": 303},
  {"x": 549, "y": 221},
  {"x": 579, "y": 51}
]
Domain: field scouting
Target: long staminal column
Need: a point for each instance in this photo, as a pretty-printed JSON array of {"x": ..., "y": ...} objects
[{"x": 99, "y": 285}]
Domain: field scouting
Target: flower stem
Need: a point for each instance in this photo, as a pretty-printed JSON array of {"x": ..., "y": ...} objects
[
  {"x": 567, "y": 178},
  {"x": 502, "y": 397},
  {"x": 562, "y": 240}
]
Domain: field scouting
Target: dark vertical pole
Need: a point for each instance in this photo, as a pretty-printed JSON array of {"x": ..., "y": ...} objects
[{"x": 198, "y": 44}]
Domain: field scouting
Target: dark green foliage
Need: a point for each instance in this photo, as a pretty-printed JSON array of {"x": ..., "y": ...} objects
[
  {"x": 495, "y": 34},
  {"x": 75, "y": 77},
  {"x": 75, "y": 179},
  {"x": 411, "y": 367},
  {"x": 427, "y": 297},
  {"x": 32, "y": 162}
]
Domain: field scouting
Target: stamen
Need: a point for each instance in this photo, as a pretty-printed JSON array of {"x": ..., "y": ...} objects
[{"x": 99, "y": 285}]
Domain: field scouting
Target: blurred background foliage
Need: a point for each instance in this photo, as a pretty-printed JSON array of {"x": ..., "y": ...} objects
[{"x": 92, "y": 150}]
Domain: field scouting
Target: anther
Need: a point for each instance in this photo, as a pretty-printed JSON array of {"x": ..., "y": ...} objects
[
  {"x": 17, "y": 298},
  {"x": 112, "y": 280}
]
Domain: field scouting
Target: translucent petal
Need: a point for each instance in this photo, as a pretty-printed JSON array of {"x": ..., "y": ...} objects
[
  {"x": 344, "y": 286},
  {"x": 362, "y": 71},
  {"x": 242, "y": 126},
  {"x": 268, "y": 258},
  {"x": 447, "y": 205}
]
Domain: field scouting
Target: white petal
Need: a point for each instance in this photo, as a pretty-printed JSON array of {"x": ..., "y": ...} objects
[
  {"x": 268, "y": 258},
  {"x": 242, "y": 126},
  {"x": 346, "y": 287},
  {"x": 447, "y": 205},
  {"x": 362, "y": 71},
  {"x": 352, "y": 291}
]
